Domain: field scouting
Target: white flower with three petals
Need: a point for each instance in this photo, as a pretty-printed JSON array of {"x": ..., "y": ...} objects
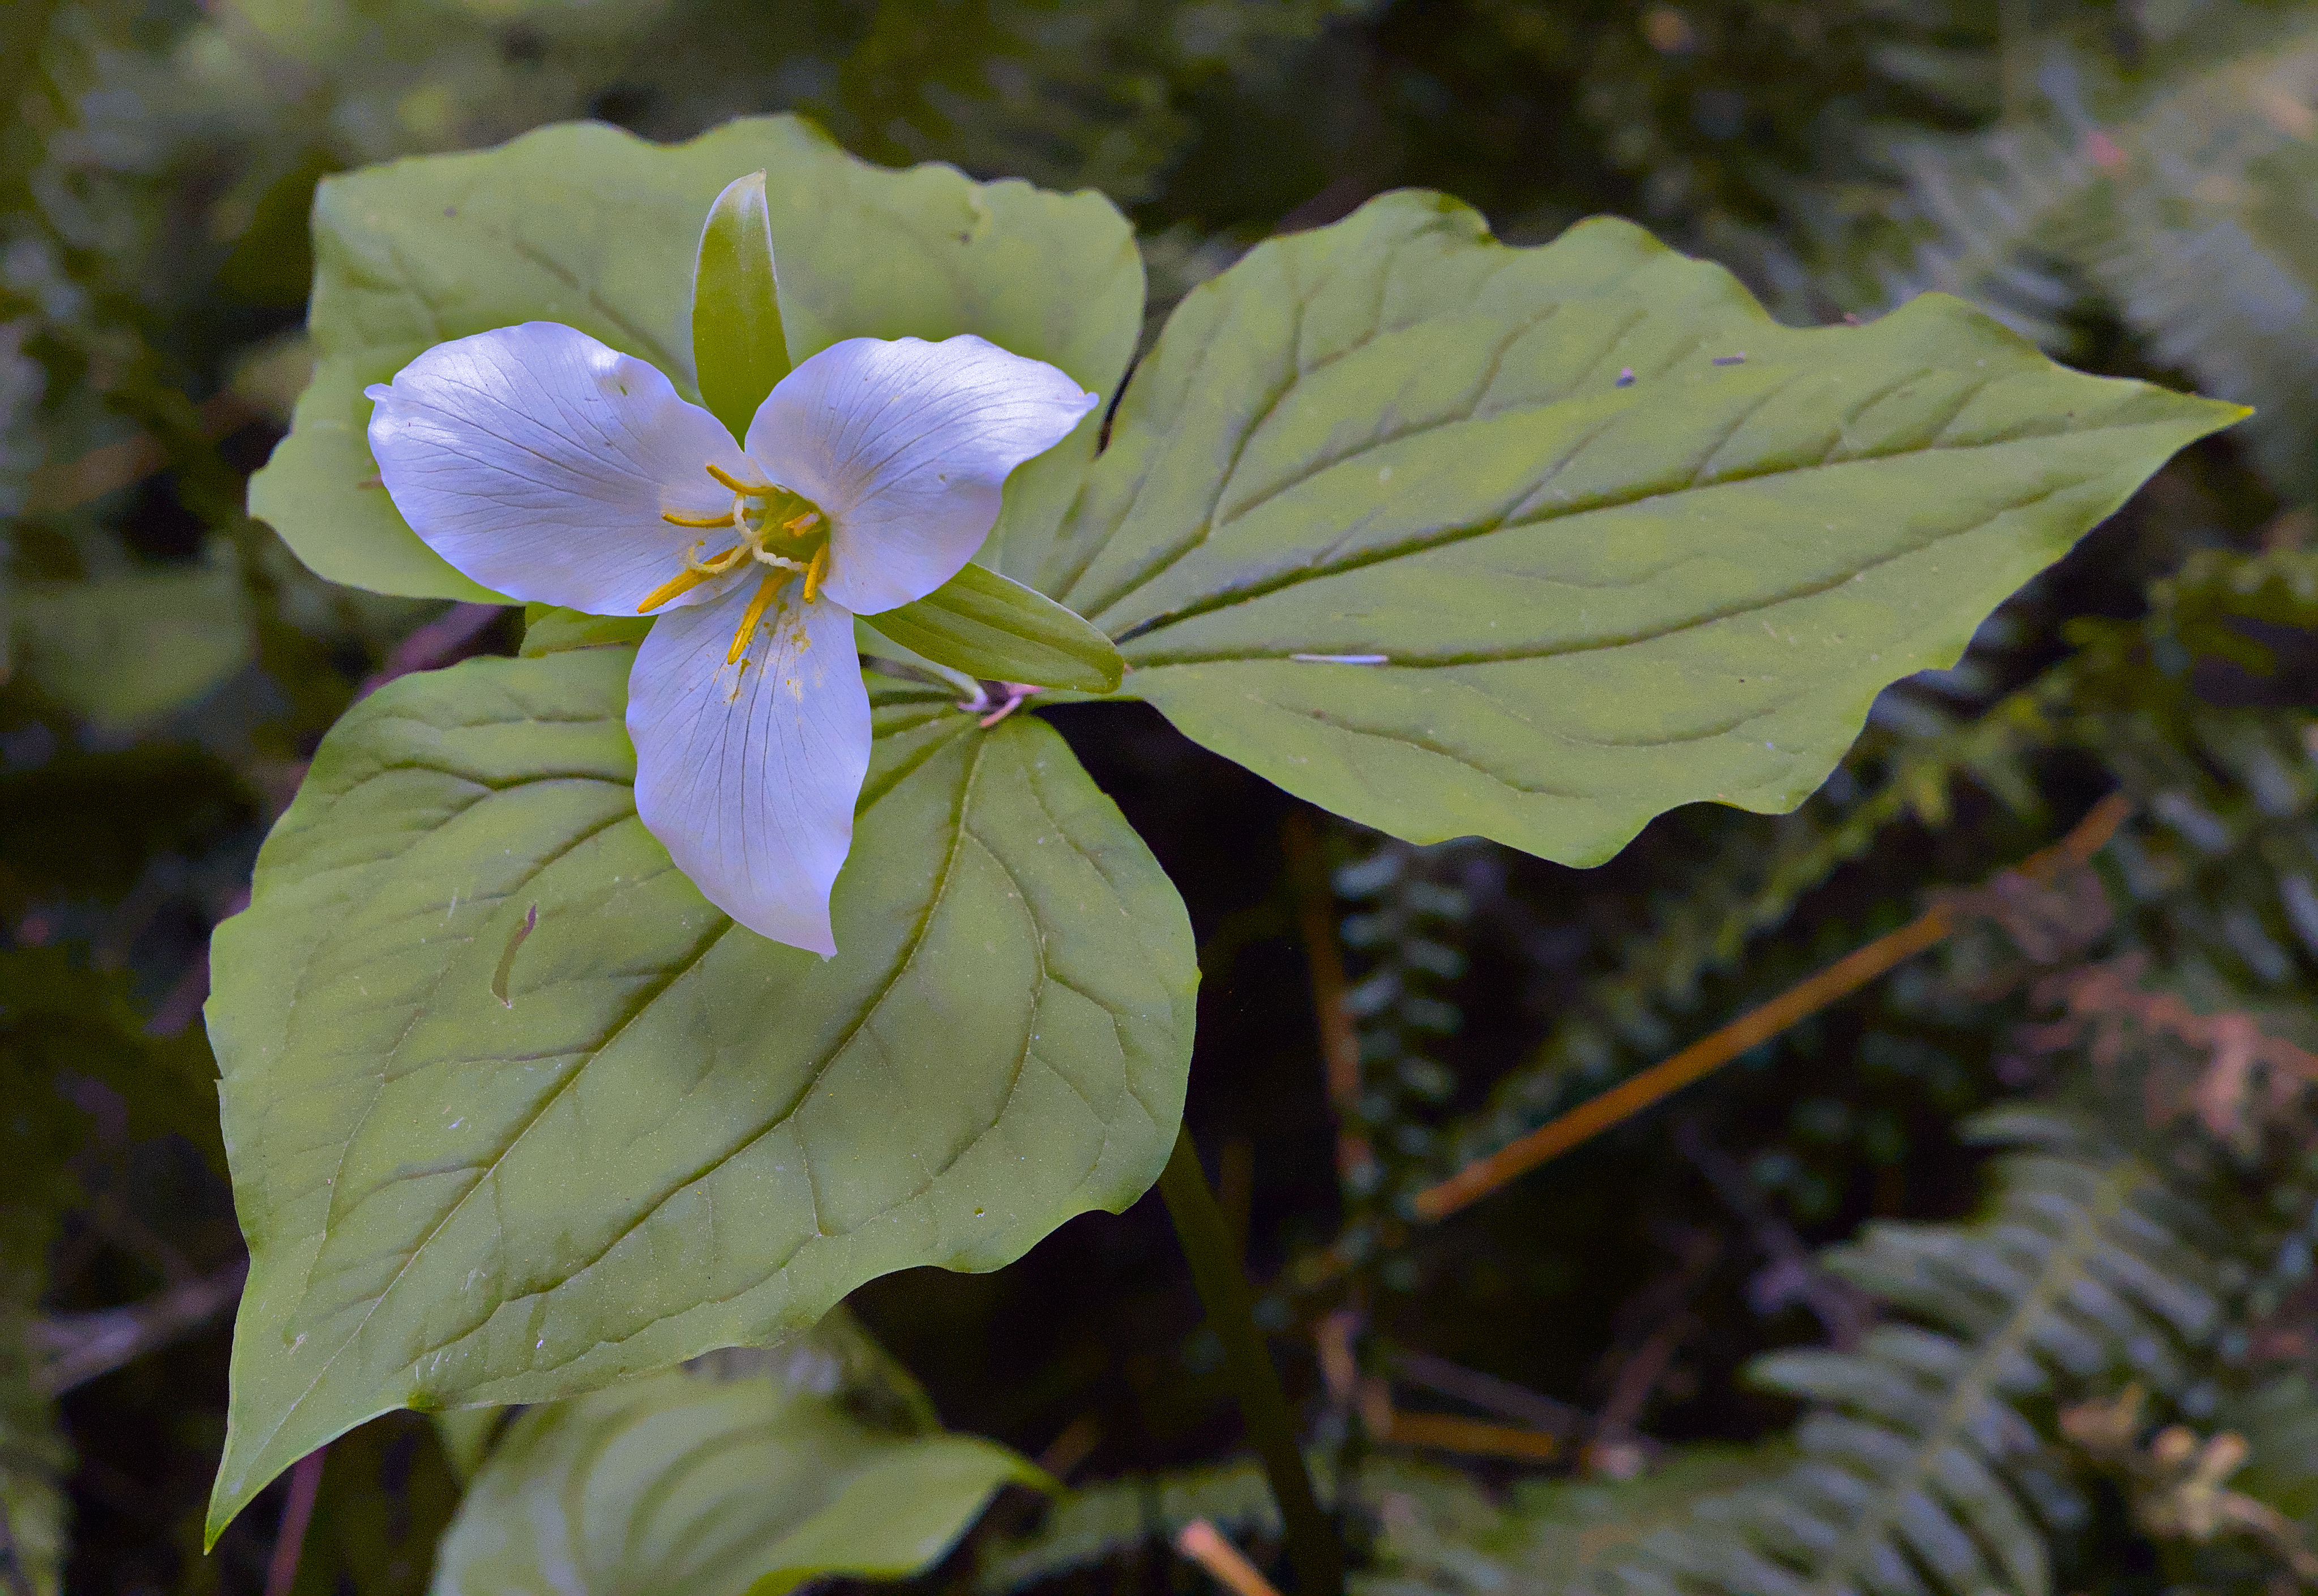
[{"x": 552, "y": 468}]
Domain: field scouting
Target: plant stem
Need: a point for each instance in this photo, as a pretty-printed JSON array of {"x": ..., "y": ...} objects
[
  {"x": 1216, "y": 1270},
  {"x": 297, "y": 1514}
]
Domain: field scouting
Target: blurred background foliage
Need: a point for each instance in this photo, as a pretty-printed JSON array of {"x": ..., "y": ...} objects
[{"x": 1997, "y": 1276}]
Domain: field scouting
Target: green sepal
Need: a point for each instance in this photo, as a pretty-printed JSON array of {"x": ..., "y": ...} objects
[
  {"x": 996, "y": 630},
  {"x": 739, "y": 350},
  {"x": 550, "y": 628}
]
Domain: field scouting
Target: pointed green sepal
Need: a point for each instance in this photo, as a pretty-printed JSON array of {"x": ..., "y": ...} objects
[
  {"x": 739, "y": 350},
  {"x": 550, "y": 630},
  {"x": 996, "y": 629}
]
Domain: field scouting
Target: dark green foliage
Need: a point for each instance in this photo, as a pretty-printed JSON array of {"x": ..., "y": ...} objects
[
  {"x": 387, "y": 1494},
  {"x": 1918, "y": 1455},
  {"x": 2131, "y": 185},
  {"x": 1130, "y": 1516}
]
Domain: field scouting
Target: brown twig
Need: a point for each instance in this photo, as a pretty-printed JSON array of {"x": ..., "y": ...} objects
[
  {"x": 1790, "y": 1274},
  {"x": 70, "y": 484},
  {"x": 75, "y": 1349},
  {"x": 1652, "y": 1326},
  {"x": 1701, "y": 1058},
  {"x": 1073, "y": 1446},
  {"x": 1340, "y": 1045},
  {"x": 1446, "y": 1433},
  {"x": 449, "y": 637},
  {"x": 1204, "y": 1545},
  {"x": 297, "y": 1514},
  {"x": 1491, "y": 1393}
]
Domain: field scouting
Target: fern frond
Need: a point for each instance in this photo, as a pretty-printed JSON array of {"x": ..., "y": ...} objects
[
  {"x": 2226, "y": 867},
  {"x": 1442, "y": 1535},
  {"x": 2182, "y": 202},
  {"x": 1992, "y": 204},
  {"x": 1406, "y": 911},
  {"x": 2201, "y": 242},
  {"x": 1628, "y": 1013},
  {"x": 2279, "y": 1421},
  {"x": 1112, "y": 1518},
  {"x": 1925, "y": 1466}
]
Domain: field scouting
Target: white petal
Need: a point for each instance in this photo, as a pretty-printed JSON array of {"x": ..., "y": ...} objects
[
  {"x": 907, "y": 445},
  {"x": 537, "y": 461},
  {"x": 748, "y": 775}
]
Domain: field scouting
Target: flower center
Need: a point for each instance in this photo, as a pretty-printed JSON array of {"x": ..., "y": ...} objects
[{"x": 774, "y": 528}]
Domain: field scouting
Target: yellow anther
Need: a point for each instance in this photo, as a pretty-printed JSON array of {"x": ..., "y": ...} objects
[
  {"x": 673, "y": 519},
  {"x": 676, "y": 587},
  {"x": 800, "y": 524},
  {"x": 816, "y": 568},
  {"x": 767, "y": 590},
  {"x": 735, "y": 484}
]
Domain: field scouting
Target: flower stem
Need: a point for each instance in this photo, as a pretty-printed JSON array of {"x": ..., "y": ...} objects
[{"x": 1216, "y": 1270}]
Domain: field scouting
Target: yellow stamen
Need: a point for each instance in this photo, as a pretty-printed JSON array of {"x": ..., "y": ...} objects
[
  {"x": 673, "y": 519},
  {"x": 767, "y": 591},
  {"x": 733, "y": 482},
  {"x": 815, "y": 569},
  {"x": 716, "y": 565},
  {"x": 802, "y": 524},
  {"x": 676, "y": 587}
]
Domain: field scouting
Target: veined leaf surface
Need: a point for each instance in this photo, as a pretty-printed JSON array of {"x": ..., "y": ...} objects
[
  {"x": 1455, "y": 538},
  {"x": 671, "y": 1134},
  {"x": 721, "y": 1478},
  {"x": 589, "y": 226}
]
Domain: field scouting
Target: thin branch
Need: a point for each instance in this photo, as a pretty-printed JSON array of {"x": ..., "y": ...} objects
[
  {"x": 1701, "y": 1058},
  {"x": 1491, "y": 1393},
  {"x": 74, "y": 1349},
  {"x": 1663, "y": 1314},
  {"x": 1473, "y": 1438},
  {"x": 297, "y": 1514},
  {"x": 1340, "y": 1043},
  {"x": 1072, "y": 1447},
  {"x": 1790, "y": 1275},
  {"x": 446, "y": 640},
  {"x": 70, "y": 484},
  {"x": 1204, "y": 1545}
]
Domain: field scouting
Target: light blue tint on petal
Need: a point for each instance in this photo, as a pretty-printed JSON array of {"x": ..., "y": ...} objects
[
  {"x": 537, "y": 461},
  {"x": 747, "y": 773},
  {"x": 905, "y": 445}
]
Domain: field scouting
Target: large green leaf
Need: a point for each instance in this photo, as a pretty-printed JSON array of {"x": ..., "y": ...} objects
[
  {"x": 1535, "y": 543},
  {"x": 726, "y": 1477},
  {"x": 673, "y": 1135},
  {"x": 125, "y": 650},
  {"x": 586, "y": 225}
]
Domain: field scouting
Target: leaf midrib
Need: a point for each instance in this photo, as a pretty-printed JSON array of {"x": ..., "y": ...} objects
[{"x": 651, "y": 995}]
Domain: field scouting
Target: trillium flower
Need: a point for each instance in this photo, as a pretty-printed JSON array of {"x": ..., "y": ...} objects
[{"x": 556, "y": 469}]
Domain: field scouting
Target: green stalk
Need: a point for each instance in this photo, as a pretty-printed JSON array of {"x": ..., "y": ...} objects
[{"x": 1216, "y": 1270}]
